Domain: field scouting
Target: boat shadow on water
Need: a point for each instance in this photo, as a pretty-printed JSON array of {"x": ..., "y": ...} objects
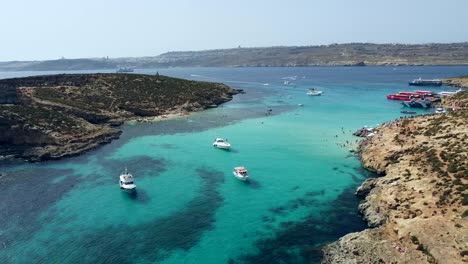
[
  {"x": 253, "y": 184},
  {"x": 139, "y": 196}
]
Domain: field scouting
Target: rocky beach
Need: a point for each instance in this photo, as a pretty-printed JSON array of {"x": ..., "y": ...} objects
[
  {"x": 417, "y": 207},
  {"x": 54, "y": 116}
]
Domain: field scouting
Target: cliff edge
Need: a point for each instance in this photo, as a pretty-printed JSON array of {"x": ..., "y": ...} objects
[{"x": 417, "y": 210}]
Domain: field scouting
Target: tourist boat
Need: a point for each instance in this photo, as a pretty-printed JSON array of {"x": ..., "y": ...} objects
[
  {"x": 221, "y": 143},
  {"x": 314, "y": 92},
  {"x": 126, "y": 181},
  {"x": 401, "y": 96},
  {"x": 240, "y": 173},
  {"x": 423, "y": 82},
  {"x": 408, "y": 112},
  {"x": 417, "y": 103},
  {"x": 124, "y": 70},
  {"x": 407, "y": 96},
  {"x": 424, "y": 93}
]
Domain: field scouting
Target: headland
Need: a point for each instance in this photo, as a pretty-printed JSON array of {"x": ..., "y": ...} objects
[{"x": 54, "y": 116}]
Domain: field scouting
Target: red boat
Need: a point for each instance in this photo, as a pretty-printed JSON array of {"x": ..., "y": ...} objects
[
  {"x": 424, "y": 93},
  {"x": 402, "y": 96},
  {"x": 407, "y": 96}
]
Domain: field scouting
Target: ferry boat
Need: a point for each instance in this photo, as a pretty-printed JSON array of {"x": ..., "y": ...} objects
[
  {"x": 314, "y": 92},
  {"x": 407, "y": 96},
  {"x": 126, "y": 181},
  {"x": 124, "y": 70},
  {"x": 241, "y": 173},
  {"x": 425, "y": 93},
  {"x": 401, "y": 96},
  {"x": 221, "y": 143},
  {"x": 426, "y": 82}
]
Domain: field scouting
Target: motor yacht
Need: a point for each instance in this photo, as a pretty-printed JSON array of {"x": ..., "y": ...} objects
[
  {"x": 221, "y": 143},
  {"x": 240, "y": 173},
  {"x": 126, "y": 181}
]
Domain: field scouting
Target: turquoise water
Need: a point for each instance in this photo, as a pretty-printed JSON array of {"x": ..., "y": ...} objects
[{"x": 188, "y": 207}]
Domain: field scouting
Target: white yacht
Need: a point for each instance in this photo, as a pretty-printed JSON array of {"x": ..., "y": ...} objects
[
  {"x": 240, "y": 173},
  {"x": 126, "y": 181},
  {"x": 314, "y": 92},
  {"x": 221, "y": 143}
]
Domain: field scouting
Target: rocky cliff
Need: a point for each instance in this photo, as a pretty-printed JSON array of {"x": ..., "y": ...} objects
[
  {"x": 49, "y": 117},
  {"x": 417, "y": 210}
]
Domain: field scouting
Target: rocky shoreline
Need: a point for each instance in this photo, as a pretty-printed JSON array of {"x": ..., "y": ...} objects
[
  {"x": 56, "y": 116},
  {"x": 417, "y": 209},
  {"x": 461, "y": 82}
]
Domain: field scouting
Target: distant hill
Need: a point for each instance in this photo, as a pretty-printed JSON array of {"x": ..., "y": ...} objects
[{"x": 352, "y": 54}]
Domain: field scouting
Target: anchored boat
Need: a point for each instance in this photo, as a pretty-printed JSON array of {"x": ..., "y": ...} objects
[
  {"x": 423, "y": 82},
  {"x": 417, "y": 103},
  {"x": 314, "y": 92},
  {"x": 126, "y": 181},
  {"x": 240, "y": 173},
  {"x": 221, "y": 143}
]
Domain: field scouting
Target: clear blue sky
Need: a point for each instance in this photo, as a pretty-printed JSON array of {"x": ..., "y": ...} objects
[{"x": 50, "y": 29}]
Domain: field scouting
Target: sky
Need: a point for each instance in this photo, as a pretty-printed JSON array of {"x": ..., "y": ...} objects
[{"x": 51, "y": 29}]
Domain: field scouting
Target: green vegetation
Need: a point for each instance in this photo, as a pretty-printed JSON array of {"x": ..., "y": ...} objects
[
  {"x": 82, "y": 108},
  {"x": 465, "y": 214}
]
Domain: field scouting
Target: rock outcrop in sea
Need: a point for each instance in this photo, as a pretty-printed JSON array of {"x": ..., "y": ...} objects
[
  {"x": 417, "y": 210},
  {"x": 54, "y": 116}
]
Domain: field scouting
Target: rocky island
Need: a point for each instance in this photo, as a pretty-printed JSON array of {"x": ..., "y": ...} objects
[
  {"x": 54, "y": 116},
  {"x": 417, "y": 210}
]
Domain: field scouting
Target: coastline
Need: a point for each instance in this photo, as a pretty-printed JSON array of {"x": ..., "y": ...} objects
[
  {"x": 55, "y": 116},
  {"x": 422, "y": 186}
]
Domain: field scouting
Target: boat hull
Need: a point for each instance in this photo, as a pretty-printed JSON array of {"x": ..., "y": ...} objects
[
  {"x": 222, "y": 146},
  {"x": 425, "y": 83},
  {"x": 129, "y": 189},
  {"x": 240, "y": 177}
]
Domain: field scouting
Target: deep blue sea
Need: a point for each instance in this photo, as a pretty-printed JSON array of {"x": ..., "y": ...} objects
[{"x": 188, "y": 207}]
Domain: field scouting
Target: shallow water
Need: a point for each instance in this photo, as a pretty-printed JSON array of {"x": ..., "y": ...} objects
[{"x": 188, "y": 207}]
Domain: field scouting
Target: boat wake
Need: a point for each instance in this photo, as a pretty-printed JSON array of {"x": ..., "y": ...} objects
[{"x": 256, "y": 83}]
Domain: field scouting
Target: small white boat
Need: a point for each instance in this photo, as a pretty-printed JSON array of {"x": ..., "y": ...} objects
[
  {"x": 240, "y": 173},
  {"x": 221, "y": 143},
  {"x": 126, "y": 181},
  {"x": 314, "y": 92},
  {"x": 440, "y": 110}
]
